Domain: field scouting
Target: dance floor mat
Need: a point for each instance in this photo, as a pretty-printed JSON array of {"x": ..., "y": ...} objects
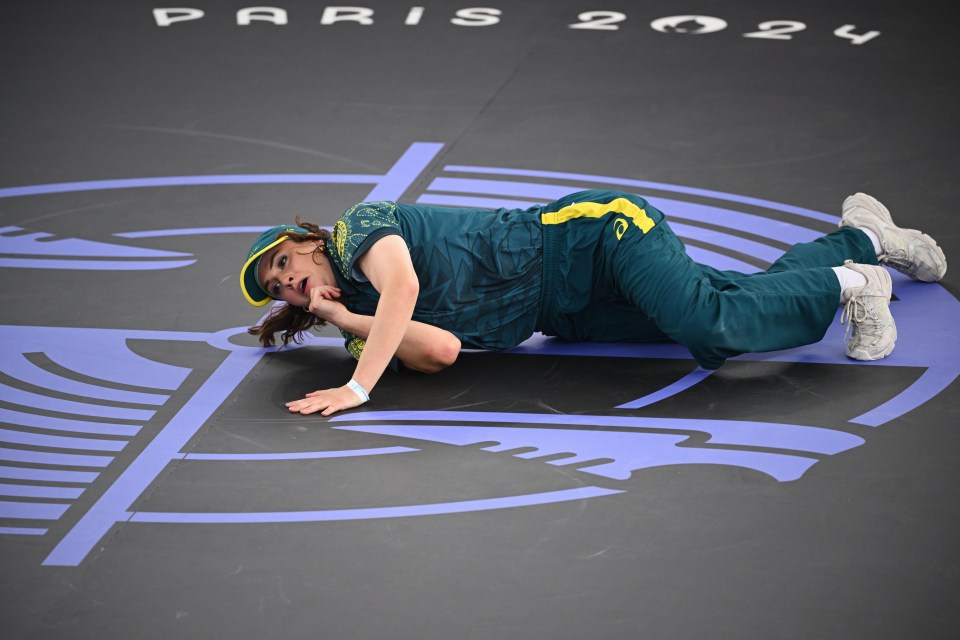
[{"x": 152, "y": 484}]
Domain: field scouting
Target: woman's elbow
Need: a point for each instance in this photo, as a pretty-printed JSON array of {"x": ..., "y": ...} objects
[
  {"x": 447, "y": 352},
  {"x": 409, "y": 288}
]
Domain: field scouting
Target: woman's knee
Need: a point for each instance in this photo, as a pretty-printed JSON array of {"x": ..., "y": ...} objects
[{"x": 709, "y": 343}]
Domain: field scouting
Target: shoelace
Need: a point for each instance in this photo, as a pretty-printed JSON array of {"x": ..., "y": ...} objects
[
  {"x": 897, "y": 252},
  {"x": 854, "y": 311},
  {"x": 898, "y": 258}
]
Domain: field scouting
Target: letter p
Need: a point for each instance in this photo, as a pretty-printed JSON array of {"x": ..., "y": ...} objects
[{"x": 166, "y": 17}]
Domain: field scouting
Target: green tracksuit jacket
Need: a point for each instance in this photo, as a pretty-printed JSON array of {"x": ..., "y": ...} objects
[{"x": 595, "y": 265}]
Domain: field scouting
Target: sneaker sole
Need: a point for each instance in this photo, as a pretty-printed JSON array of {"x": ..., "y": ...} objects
[{"x": 866, "y": 357}]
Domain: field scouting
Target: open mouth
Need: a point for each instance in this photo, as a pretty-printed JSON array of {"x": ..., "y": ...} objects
[{"x": 303, "y": 286}]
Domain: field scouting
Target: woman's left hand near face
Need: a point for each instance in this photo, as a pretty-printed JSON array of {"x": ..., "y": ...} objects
[{"x": 328, "y": 401}]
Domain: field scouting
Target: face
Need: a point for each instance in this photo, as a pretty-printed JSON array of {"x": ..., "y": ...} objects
[{"x": 288, "y": 272}]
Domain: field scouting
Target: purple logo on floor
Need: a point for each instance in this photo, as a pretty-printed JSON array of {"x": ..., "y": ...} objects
[{"x": 61, "y": 447}]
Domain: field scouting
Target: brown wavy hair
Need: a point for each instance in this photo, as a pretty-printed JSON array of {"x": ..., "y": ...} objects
[{"x": 290, "y": 321}]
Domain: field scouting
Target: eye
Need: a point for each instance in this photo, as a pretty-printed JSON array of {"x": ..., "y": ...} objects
[
  {"x": 275, "y": 290},
  {"x": 282, "y": 262}
]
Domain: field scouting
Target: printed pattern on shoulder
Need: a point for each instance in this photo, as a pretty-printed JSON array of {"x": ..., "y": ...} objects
[{"x": 353, "y": 227}]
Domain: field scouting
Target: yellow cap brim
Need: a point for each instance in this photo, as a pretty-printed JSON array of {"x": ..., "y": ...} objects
[{"x": 249, "y": 283}]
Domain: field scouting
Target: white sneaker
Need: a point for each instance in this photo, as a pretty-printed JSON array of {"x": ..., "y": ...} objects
[
  {"x": 906, "y": 250},
  {"x": 867, "y": 308}
]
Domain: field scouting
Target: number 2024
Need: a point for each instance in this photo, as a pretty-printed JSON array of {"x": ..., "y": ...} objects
[{"x": 695, "y": 25}]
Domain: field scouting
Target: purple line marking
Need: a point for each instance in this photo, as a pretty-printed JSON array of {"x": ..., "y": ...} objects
[
  {"x": 680, "y": 385},
  {"x": 628, "y": 452},
  {"x": 333, "y": 515},
  {"x": 932, "y": 382},
  {"x": 808, "y": 213},
  {"x": 25, "y": 398},
  {"x": 60, "y": 442},
  {"x": 676, "y": 211},
  {"x": 47, "y": 475},
  {"x": 63, "y": 459},
  {"x": 17, "y": 366},
  {"x": 42, "y": 244},
  {"x": 727, "y": 241},
  {"x": 537, "y": 191},
  {"x": 31, "y": 491},
  {"x": 196, "y": 231},
  {"x": 112, "y": 506},
  {"x": 726, "y": 432},
  {"x": 82, "y": 351},
  {"x": 405, "y": 171},
  {"x": 62, "y": 424},
  {"x": 758, "y": 225},
  {"x": 32, "y": 510},
  {"x": 921, "y": 344},
  {"x": 18, "y": 531},
  {"x": 94, "y": 265},
  {"x": 301, "y": 455},
  {"x": 389, "y": 186},
  {"x": 386, "y": 187},
  {"x": 479, "y": 203}
]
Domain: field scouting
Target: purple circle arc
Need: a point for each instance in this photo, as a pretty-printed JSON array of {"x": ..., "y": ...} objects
[{"x": 329, "y": 178}]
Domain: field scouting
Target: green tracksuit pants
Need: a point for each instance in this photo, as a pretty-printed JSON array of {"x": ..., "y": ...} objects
[{"x": 645, "y": 287}]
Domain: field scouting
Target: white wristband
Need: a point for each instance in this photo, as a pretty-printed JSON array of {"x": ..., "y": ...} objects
[{"x": 357, "y": 389}]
